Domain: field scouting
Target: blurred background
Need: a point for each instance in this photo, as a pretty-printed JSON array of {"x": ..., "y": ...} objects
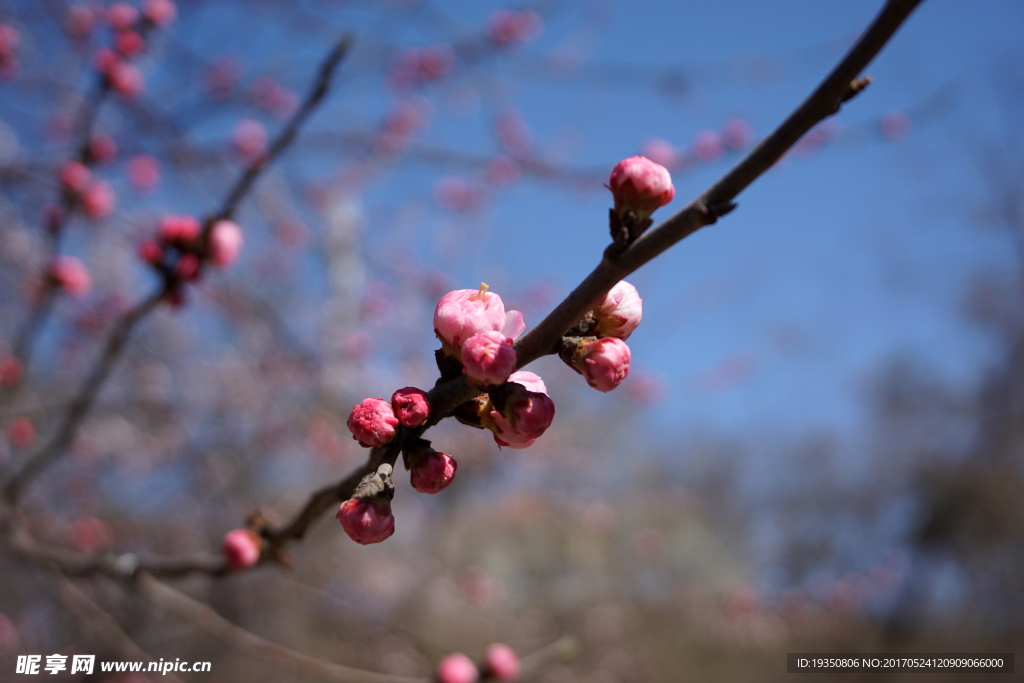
[{"x": 819, "y": 446}]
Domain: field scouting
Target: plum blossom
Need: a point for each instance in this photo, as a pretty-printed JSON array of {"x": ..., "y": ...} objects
[
  {"x": 433, "y": 472},
  {"x": 620, "y": 312},
  {"x": 488, "y": 358},
  {"x": 603, "y": 362},
  {"x": 70, "y": 274},
  {"x": 457, "y": 668},
  {"x": 411, "y": 406},
  {"x": 501, "y": 662},
  {"x": 225, "y": 243},
  {"x": 372, "y": 422},
  {"x": 241, "y": 548},
  {"x": 641, "y": 186},
  {"x": 465, "y": 312},
  {"x": 367, "y": 520}
]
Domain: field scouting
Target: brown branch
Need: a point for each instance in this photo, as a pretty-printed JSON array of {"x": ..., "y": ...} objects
[{"x": 207, "y": 619}]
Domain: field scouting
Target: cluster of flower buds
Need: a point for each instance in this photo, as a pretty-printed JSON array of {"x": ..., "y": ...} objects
[
  {"x": 81, "y": 189},
  {"x": 128, "y": 28},
  {"x": 500, "y": 664},
  {"x": 9, "y": 39},
  {"x": 179, "y": 250},
  {"x": 595, "y": 347}
]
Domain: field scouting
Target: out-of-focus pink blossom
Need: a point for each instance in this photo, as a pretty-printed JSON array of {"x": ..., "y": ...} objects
[
  {"x": 456, "y": 194},
  {"x": 179, "y": 231},
  {"x": 9, "y": 39},
  {"x": 143, "y": 172},
  {"x": 70, "y": 274},
  {"x": 188, "y": 267},
  {"x": 225, "y": 243},
  {"x": 737, "y": 133},
  {"x": 604, "y": 363},
  {"x": 104, "y": 59},
  {"x": 641, "y": 186},
  {"x": 506, "y": 27},
  {"x": 126, "y": 79},
  {"x": 122, "y": 16},
  {"x": 503, "y": 170},
  {"x": 896, "y": 124},
  {"x": 457, "y": 668},
  {"x": 250, "y": 139},
  {"x": 422, "y": 65},
  {"x": 707, "y": 145},
  {"x": 433, "y": 472},
  {"x": 411, "y": 406},
  {"x": 102, "y": 148},
  {"x": 620, "y": 312},
  {"x": 75, "y": 176},
  {"x": 372, "y": 422},
  {"x": 501, "y": 662},
  {"x": 488, "y": 358},
  {"x": 151, "y": 252},
  {"x": 160, "y": 12},
  {"x": 465, "y": 312},
  {"x": 79, "y": 21},
  {"x": 10, "y": 371},
  {"x": 89, "y": 535},
  {"x": 660, "y": 151},
  {"x": 513, "y": 134},
  {"x": 268, "y": 94},
  {"x": 222, "y": 76},
  {"x": 367, "y": 520},
  {"x": 241, "y": 548},
  {"x": 98, "y": 200},
  {"x": 129, "y": 43},
  {"x": 20, "y": 432}
]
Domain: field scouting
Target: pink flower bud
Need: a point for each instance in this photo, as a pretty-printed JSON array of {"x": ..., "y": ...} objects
[
  {"x": 896, "y": 124},
  {"x": 457, "y": 668},
  {"x": 641, "y": 186},
  {"x": 250, "y": 139},
  {"x": 367, "y": 520},
  {"x": 143, "y": 172},
  {"x": 122, "y": 16},
  {"x": 737, "y": 133},
  {"x": 501, "y": 662},
  {"x": 98, "y": 200},
  {"x": 241, "y": 548},
  {"x": 129, "y": 43},
  {"x": 433, "y": 472},
  {"x": 71, "y": 275},
  {"x": 604, "y": 363},
  {"x": 187, "y": 268},
  {"x": 707, "y": 145},
  {"x": 160, "y": 12},
  {"x": 75, "y": 176},
  {"x": 151, "y": 252},
  {"x": 104, "y": 60},
  {"x": 126, "y": 79},
  {"x": 488, "y": 358},
  {"x": 221, "y": 77},
  {"x": 411, "y": 406},
  {"x": 102, "y": 148},
  {"x": 372, "y": 422},
  {"x": 660, "y": 151},
  {"x": 179, "y": 231},
  {"x": 10, "y": 371},
  {"x": 504, "y": 435},
  {"x": 505, "y": 27},
  {"x": 79, "y": 21},
  {"x": 465, "y": 312},
  {"x": 225, "y": 243},
  {"x": 529, "y": 412},
  {"x": 9, "y": 39},
  {"x": 21, "y": 433},
  {"x": 620, "y": 312}
]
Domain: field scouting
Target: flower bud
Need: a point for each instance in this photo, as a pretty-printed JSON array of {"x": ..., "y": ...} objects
[
  {"x": 603, "y": 362},
  {"x": 143, "y": 172},
  {"x": 433, "y": 472},
  {"x": 102, "y": 148},
  {"x": 10, "y": 371},
  {"x": 20, "y": 432},
  {"x": 250, "y": 139},
  {"x": 241, "y": 548},
  {"x": 465, "y": 312},
  {"x": 225, "y": 243},
  {"x": 367, "y": 520},
  {"x": 126, "y": 79},
  {"x": 151, "y": 252},
  {"x": 411, "y": 406},
  {"x": 71, "y": 275},
  {"x": 98, "y": 200},
  {"x": 160, "y": 12},
  {"x": 620, "y": 312},
  {"x": 179, "y": 231},
  {"x": 639, "y": 185},
  {"x": 525, "y": 404},
  {"x": 501, "y": 662},
  {"x": 372, "y": 422},
  {"x": 188, "y": 267},
  {"x": 457, "y": 668},
  {"x": 75, "y": 176},
  {"x": 488, "y": 358},
  {"x": 122, "y": 16}
]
